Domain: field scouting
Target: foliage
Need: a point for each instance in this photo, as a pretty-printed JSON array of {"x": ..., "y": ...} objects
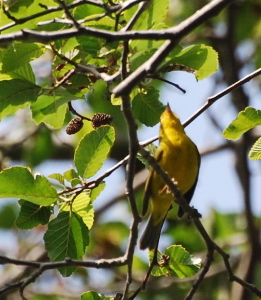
[
  {"x": 246, "y": 120},
  {"x": 105, "y": 60},
  {"x": 176, "y": 262}
]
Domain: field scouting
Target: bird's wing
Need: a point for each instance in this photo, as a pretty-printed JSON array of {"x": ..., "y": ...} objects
[
  {"x": 190, "y": 192},
  {"x": 148, "y": 189},
  {"x": 147, "y": 193}
]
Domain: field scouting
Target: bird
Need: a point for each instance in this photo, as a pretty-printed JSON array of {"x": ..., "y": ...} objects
[{"x": 179, "y": 157}]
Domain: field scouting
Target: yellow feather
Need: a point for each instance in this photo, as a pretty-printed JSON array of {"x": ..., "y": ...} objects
[{"x": 179, "y": 157}]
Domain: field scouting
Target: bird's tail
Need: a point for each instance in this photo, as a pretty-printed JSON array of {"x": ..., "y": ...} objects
[{"x": 151, "y": 235}]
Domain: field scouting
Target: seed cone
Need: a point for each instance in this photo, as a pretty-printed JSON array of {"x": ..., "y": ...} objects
[
  {"x": 74, "y": 126},
  {"x": 101, "y": 119}
]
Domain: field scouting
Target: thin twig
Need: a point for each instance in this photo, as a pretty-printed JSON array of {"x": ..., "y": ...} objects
[
  {"x": 128, "y": 4},
  {"x": 49, "y": 10},
  {"x": 167, "y": 81},
  {"x": 72, "y": 110},
  {"x": 69, "y": 22},
  {"x": 209, "y": 257},
  {"x": 133, "y": 150},
  {"x": 232, "y": 277},
  {"x": 142, "y": 7},
  {"x": 211, "y": 100},
  {"x": 66, "y": 77},
  {"x": 174, "y": 33},
  {"x": 79, "y": 67},
  {"x": 43, "y": 266},
  {"x": 145, "y": 280},
  {"x": 179, "y": 31},
  {"x": 68, "y": 14},
  {"x": 9, "y": 16}
]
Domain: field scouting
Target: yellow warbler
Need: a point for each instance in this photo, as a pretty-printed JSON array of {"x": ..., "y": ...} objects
[{"x": 179, "y": 157}]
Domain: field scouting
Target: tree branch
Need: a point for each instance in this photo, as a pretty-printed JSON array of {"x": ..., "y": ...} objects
[
  {"x": 173, "y": 33},
  {"x": 43, "y": 266},
  {"x": 49, "y": 10},
  {"x": 177, "y": 32},
  {"x": 130, "y": 192},
  {"x": 211, "y": 100}
]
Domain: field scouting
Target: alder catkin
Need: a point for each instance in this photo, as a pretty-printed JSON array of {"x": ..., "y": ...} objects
[
  {"x": 100, "y": 119},
  {"x": 74, "y": 126}
]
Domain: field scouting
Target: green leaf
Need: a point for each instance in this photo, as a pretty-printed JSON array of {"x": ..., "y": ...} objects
[
  {"x": 58, "y": 177},
  {"x": 27, "y": 8},
  {"x": 155, "y": 14},
  {"x": 80, "y": 13},
  {"x": 75, "y": 182},
  {"x": 16, "y": 94},
  {"x": 153, "y": 18},
  {"x": 19, "y": 55},
  {"x": 67, "y": 46},
  {"x": 51, "y": 109},
  {"x": 15, "y": 61},
  {"x": 89, "y": 45},
  {"x": 31, "y": 215},
  {"x": 141, "y": 57},
  {"x": 201, "y": 60},
  {"x": 25, "y": 72},
  {"x": 82, "y": 206},
  {"x": 144, "y": 45},
  {"x": 70, "y": 175},
  {"x": 106, "y": 22},
  {"x": 177, "y": 262},
  {"x": 78, "y": 85},
  {"x": 147, "y": 108},
  {"x": 92, "y": 295},
  {"x": 255, "y": 151},
  {"x": 18, "y": 182},
  {"x": 245, "y": 121},
  {"x": 93, "y": 150},
  {"x": 96, "y": 191},
  {"x": 67, "y": 237},
  {"x": 8, "y": 214},
  {"x": 115, "y": 100}
]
